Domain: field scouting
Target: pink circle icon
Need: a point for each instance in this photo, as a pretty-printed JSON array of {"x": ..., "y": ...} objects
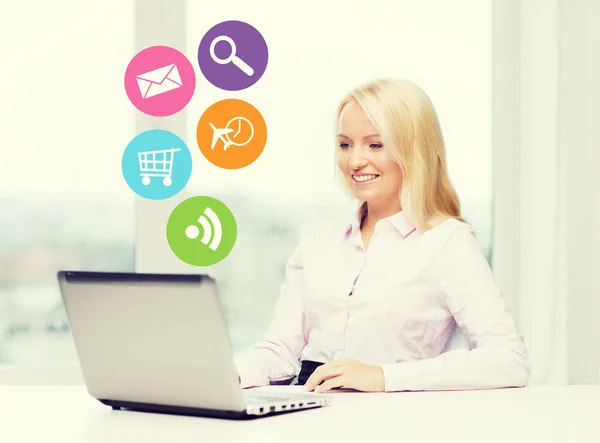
[{"x": 160, "y": 81}]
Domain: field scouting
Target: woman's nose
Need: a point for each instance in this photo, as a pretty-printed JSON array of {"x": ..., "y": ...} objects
[{"x": 357, "y": 159}]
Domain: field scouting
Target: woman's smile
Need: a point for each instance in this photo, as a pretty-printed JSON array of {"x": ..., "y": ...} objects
[{"x": 364, "y": 179}]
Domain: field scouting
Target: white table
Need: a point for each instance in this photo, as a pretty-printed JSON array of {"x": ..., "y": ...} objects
[{"x": 565, "y": 414}]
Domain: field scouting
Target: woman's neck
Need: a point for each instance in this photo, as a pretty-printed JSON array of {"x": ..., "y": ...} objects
[{"x": 374, "y": 213}]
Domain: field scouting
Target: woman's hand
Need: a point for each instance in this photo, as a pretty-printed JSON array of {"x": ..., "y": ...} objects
[{"x": 344, "y": 373}]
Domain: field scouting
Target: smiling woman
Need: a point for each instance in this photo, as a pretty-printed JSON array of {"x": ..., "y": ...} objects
[
  {"x": 370, "y": 303},
  {"x": 414, "y": 153}
]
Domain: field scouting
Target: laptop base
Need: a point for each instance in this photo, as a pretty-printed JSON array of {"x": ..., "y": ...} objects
[{"x": 188, "y": 411}]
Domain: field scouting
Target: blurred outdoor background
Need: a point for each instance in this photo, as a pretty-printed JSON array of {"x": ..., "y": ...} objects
[
  {"x": 517, "y": 159},
  {"x": 65, "y": 204}
]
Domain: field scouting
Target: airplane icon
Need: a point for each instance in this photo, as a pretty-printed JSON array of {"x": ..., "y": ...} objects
[{"x": 218, "y": 134}]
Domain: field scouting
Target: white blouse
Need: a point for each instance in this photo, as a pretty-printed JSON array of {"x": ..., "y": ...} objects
[{"x": 393, "y": 305}]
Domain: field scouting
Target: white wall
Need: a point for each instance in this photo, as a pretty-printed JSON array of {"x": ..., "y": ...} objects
[
  {"x": 579, "y": 113},
  {"x": 547, "y": 212}
]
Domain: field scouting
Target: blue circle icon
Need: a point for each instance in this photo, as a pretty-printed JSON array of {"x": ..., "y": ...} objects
[{"x": 157, "y": 164}]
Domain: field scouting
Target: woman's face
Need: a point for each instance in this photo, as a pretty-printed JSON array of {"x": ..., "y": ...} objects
[{"x": 371, "y": 174}]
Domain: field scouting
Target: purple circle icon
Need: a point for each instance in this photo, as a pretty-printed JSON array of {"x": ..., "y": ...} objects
[{"x": 233, "y": 55}]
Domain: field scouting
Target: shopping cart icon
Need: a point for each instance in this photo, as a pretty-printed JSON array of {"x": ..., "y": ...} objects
[{"x": 157, "y": 164}]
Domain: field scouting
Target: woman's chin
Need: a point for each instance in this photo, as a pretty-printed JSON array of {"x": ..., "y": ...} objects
[{"x": 365, "y": 194}]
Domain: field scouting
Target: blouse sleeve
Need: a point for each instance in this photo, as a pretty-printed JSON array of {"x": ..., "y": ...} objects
[
  {"x": 498, "y": 357},
  {"x": 276, "y": 355}
]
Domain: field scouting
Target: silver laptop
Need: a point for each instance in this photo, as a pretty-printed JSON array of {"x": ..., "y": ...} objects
[{"x": 159, "y": 343}]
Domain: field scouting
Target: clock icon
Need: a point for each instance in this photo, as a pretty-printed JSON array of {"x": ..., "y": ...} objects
[
  {"x": 231, "y": 134},
  {"x": 239, "y": 131},
  {"x": 243, "y": 131}
]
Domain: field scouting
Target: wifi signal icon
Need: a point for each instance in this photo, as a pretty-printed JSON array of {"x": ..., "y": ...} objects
[
  {"x": 211, "y": 228},
  {"x": 203, "y": 240}
]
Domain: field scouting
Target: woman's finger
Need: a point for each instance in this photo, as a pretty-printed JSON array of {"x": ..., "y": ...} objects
[
  {"x": 322, "y": 373},
  {"x": 334, "y": 382}
]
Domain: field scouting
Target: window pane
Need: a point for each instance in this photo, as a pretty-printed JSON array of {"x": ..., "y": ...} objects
[
  {"x": 63, "y": 201},
  {"x": 445, "y": 47}
]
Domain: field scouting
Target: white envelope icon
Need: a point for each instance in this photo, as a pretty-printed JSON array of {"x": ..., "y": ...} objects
[{"x": 159, "y": 81}]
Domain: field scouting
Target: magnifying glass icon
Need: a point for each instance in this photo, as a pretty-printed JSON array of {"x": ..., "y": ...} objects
[{"x": 232, "y": 57}]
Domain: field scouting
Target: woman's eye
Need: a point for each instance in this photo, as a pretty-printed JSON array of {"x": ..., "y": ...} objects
[
  {"x": 344, "y": 145},
  {"x": 376, "y": 145}
]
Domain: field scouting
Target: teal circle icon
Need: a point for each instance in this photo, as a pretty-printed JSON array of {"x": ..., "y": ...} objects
[
  {"x": 156, "y": 164},
  {"x": 201, "y": 231}
]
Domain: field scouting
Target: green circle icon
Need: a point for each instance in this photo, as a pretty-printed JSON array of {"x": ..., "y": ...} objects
[{"x": 201, "y": 231}]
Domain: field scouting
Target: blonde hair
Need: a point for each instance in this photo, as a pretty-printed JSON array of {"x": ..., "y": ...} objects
[{"x": 409, "y": 127}]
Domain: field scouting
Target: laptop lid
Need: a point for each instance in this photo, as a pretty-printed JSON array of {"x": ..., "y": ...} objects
[{"x": 152, "y": 338}]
